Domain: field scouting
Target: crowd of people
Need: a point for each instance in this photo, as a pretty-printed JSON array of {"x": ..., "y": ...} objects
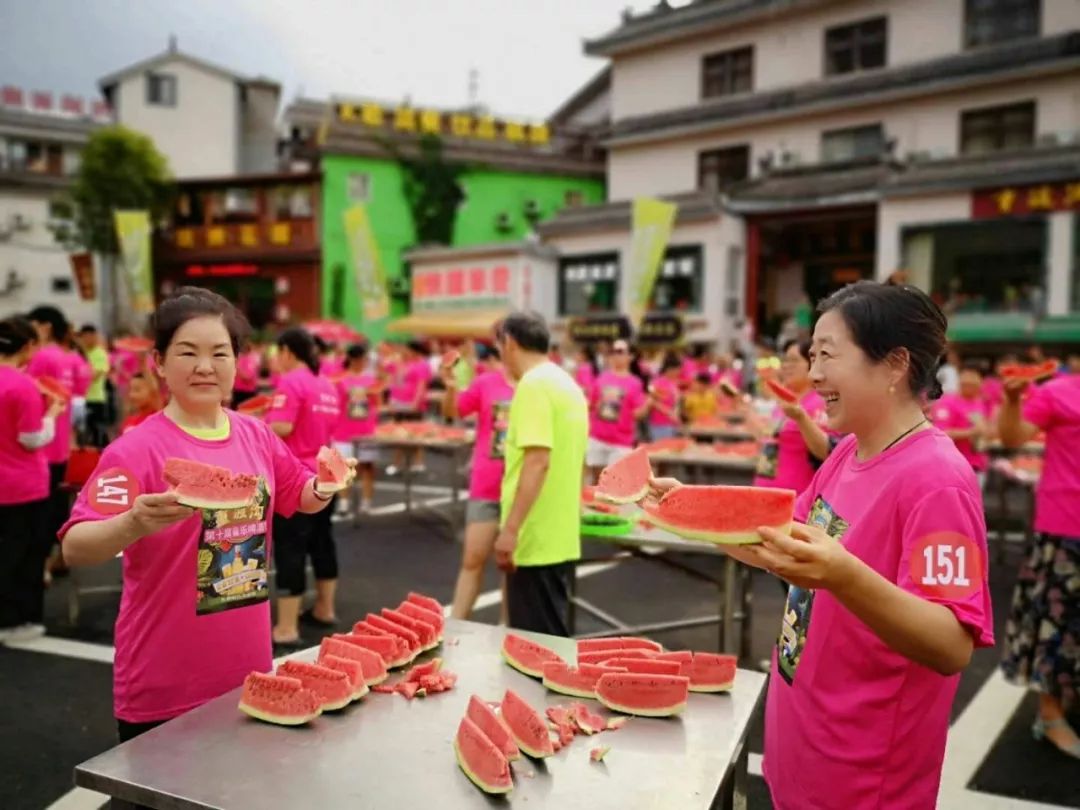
[{"x": 885, "y": 441}]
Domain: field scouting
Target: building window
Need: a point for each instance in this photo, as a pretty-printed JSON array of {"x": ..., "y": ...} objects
[
  {"x": 358, "y": 187},
  {"x": 573, "y": 198},
  {"x": 727, "y": 73},
  {"x": 589, "y": 284},
  {"x": 719, "y": 167},
  {"x": 994, "y": 129},
  {"x": 987, "y": 22},
  {"x": 61, "y": 284},
  {"x": 161, "y": 89},
  {"x": 840, "y": 145},
  {"x": 679, "y": 284},
  {"x": 858, "y": 46},
  {"x": 292, "y": 202}
]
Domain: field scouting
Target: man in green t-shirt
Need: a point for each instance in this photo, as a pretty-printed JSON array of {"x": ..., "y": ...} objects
[
  {"x": 97, "y": 411},
  {"x": 547, "y": 432}
]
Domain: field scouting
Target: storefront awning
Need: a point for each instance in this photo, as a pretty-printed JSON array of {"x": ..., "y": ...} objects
[
  {"x": 1059, "y": 329},
  {"x": 990, "y": 327},
  {"x": 449, "y": 323}
]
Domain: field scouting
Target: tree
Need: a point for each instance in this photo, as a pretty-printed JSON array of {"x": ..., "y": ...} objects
[
  {"x": 431, "y": 189},
  {"x": 120, "y": 169}
]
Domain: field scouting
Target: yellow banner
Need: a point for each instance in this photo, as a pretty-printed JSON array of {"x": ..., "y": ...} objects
[
  {"x": 133, "y": 235},
  {"x": 653, "y": 220},
  {"x": 367, "y": 267}
]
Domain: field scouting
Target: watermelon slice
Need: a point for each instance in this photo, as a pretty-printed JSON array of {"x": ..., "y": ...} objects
[
  {"x": 722, "y": 514},
  {"x": 481, "y": 760},
  {"x": 646, "y": 666},
  {"x": 424, "y": 602},
  {"x": 329, "y": 685},
  {"x": 282, "y": 701},
  {"x": 579, "y": 681},
  {"x": 344, "y": 645},
  {"x": 420, "y": 671},
  {"x": 394, "y": 651},
  {"x": 782, "y": 391},
  {"x": 381, "y": 623},
  {"x": 563, "y": 720},
  {"x": 420, "y": 614},
  {"x": 450, "y": 358},
  {"x": 488, "y": 722},
  {"x": 526, "y": 656},
  {"x": 602, "y": 656},
  {"x": 353, "y": 669},
  {"x": 428, "y": 635},
  {"x": 712, "y": 672},
  {"x": 618, "y": 643},
  {"x": 133, "y": 344},
  {"x": 682, "y": 657},
  {"x": 256, "y": 405},
  {"x": 626, "y": 480},
  {"x": 335, "y": 474},
  {"x": 204, "y": 486},
  {"x": 589, "y": 722},
  {"x": 526, "y": 726},
  {"x": 52, "y": 387},
  {"x": 645, "y": 695},
  {"x": 1031, "y": 373}
]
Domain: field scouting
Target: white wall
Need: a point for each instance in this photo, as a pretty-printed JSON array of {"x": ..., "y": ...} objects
[
  {"x": 258, "y": 132},
  {"x": 200, "y": 135},
  {"x": 897, "y": 213},
  {"x": 1059, "y": 16}
]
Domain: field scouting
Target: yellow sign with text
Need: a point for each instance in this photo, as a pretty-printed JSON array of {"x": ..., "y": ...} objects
[
  {"x": 653, "y": 221},
  {"x": 133, "y": 236},
  {"x": 367, "y": 266},
  {"x": 456, "y": 124}
]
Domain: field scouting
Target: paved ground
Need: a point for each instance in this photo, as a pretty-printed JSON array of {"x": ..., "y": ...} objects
[{"x": 57, "y": 691}]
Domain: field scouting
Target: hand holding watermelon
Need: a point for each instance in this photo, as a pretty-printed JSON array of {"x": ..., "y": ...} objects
[
  {"x": 153, "y": 511},
  {"x": 807, "y": 558},
  {"x": 1014, "y": 388}
]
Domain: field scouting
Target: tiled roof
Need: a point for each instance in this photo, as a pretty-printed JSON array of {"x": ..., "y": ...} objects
[{"x": 692, "y": 206}]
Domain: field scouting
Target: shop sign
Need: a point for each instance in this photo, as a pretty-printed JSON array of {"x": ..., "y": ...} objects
[
  {"x": 1013, "y": 201},
  {"x": 455, "y": 124},
  {"x": 220, "y": 270},
  {"x": 82, "y": 266},
  {"x": 661, "y": 329},
  {"x": 479, "y": 286},
  {"x": 654, "y": 329}
]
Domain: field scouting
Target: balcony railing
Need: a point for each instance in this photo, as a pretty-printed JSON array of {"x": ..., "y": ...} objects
[{"x": 236, "y": 237}]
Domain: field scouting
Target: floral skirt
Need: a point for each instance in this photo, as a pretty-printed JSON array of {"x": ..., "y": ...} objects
[{"x": 1042, "y": 635}]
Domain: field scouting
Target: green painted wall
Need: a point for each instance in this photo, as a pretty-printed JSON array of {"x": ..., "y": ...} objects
[{"x": 488, "y": 193}]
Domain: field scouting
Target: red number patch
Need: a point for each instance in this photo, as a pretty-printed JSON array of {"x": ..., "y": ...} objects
[
  {"x": 947, "y": 565},
  {"x": 113, "y": 491}
]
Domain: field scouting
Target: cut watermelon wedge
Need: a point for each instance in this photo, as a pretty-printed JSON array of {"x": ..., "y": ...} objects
[
  {"x": 331, "y": 686},
  {"x": 481, "y": 760},
  {"x": 450, "y": 358},
  {"x": 256, "y": 405},
  {"x": 422, "y": 614},
  {"x": 381, "y": 623},
  {"x": 344, "y": 645},
  {"x": 579, "y": 681},
  {"x": 712, "y": 672},
  {"x": 618, "y": 643},
  {"x": 722, "y": 514},
  {"x": 52, "y": 387},
  {"x": 424, "y": 602},
  {"x": 782, "y": 391},
  {"x": 627, "y": 480},
  {"x": 335, "y": 474},
  {"x": 645, "y": 695},
  {"x": 526, "y": 725},
  {"x": 279, "y": 700},
  {"x": 400, "y": 653},
  {"x": 646, "y": 666},
  {"x": 428, "y": 635},
  {"x": 204, "y": 486},
  {"x": 526, "y": 656},
  {"x": 133, "y": 344},
  {"x": 488, "y": 722},
  {"x": 353, "y": 669},
  {"x": 1031, "y": 373},
  {"x": 600, "y": 656}
]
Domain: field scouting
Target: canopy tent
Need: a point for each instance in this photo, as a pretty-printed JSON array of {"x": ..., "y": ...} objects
[{"x": 462, "y": 323}]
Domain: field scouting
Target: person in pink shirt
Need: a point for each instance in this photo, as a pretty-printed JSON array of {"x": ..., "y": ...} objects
[
  {"x": 247, "y": 375},
  {"x": 664, "y": 398},
  {"x": 586, "y": 368},
  {"x": 194, "y": 616},
  {"x": 305, "y": 413},
  {"x": 965, "y": 418},
  {"x": 26, "y": 426},
  {"x": 360, "y": 393},
  {"x": 1041, "y": 651},
  {"x": 487, "y": 397},
  {"x": 616, "y": 403},
  {"x": 887, "y": 564},
  {"x": 408, "y": 398}
]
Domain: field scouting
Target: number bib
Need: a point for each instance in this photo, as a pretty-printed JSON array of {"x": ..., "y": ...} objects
[{"x": 947, "y": 565}]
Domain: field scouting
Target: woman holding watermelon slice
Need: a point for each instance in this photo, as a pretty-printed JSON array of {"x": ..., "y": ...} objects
[
  {"x": 185, "y": 632},
  {"x": 887, "y": 566}
]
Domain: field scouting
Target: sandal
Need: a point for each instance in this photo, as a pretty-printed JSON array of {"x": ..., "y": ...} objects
[{"x": 1038, "y": 731}]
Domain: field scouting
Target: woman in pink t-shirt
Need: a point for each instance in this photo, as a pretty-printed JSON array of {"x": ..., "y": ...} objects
[
  {"x": 247, "y": 375},
  {"x": 965, "y": 418},
  {"x": 664, "y": 399},
  {"x": 25, "y": 428},
  {"x": 488, "y": 397},
  {"x": 195, "y": 614},
  {"x": 616, "y": 403},
  {"x": 360, "y": 394},
  {"x": 888, "y": 567},
  {"x": 1041, "y": 633},
  {"x": 586, "y": 369}
]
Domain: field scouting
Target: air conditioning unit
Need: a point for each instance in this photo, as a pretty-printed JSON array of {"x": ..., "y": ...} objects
[
  {"x": 532, "y": 209},
  {"x": 503, "y": 222}
]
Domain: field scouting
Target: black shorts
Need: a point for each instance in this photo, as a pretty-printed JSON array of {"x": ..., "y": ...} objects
[
  {"x": 538, "y": 596},
  {"x": 297, "y": 538}
]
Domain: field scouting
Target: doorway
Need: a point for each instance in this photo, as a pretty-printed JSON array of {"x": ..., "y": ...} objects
[{"x": 253, "y": 296}]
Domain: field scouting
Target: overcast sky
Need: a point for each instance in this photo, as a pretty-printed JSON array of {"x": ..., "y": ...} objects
[{"x": 527, "y": 52}]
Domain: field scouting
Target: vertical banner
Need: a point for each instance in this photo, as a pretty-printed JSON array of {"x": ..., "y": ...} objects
[
  {"x": 82, "y": 267},
  {"x": 133, "y": 236},
  {"x": 653, "y": 220},
  {"x": 367, "y": 267}
]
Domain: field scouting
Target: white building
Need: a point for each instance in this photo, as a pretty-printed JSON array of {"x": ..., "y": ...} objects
[
  {"x": 814, "y": 142},
  {"x": 207, "y": 120}
]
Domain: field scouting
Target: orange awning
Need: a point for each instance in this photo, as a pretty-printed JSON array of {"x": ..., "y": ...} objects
[{"x": 461, "y": 323}]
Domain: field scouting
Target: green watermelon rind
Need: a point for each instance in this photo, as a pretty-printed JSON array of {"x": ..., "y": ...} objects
[
  {"x": 526, "y": 748},
  {"x": 495, "y": 790},
  {"x": 268, "y": 689},
  {"x": 629, "y": 460},
  {"x": 640, "y": 711},
  {"x": 520, "y": 666},
  {"x": 277, "y": 719},
  {"x": 706, "y": 686},
  {"x": 715, "y": 538}
]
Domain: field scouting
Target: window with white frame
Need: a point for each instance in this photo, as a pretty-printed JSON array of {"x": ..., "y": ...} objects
[{"x": 589, "y": 284}]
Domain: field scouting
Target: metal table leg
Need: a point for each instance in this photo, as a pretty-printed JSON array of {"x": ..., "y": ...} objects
[
  {"x": 407, "y": 469},
  {"x": 727, "y": 607}
]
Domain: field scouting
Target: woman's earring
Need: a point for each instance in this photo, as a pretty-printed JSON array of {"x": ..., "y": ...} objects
[{"x": 892, "y": 389}]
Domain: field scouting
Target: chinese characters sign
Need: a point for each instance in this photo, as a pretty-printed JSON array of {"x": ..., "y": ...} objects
[
  {"x": 655, "y": 329},
  {"x": 467, "y": 286},
  {"x": 1014, "y": 201},
  {"x": 456, "y": 124}
]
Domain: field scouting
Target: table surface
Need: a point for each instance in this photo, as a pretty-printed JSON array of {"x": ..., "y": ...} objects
[
  {"x": 386, "y": 752},
  {"x": 429, "y": 444}
]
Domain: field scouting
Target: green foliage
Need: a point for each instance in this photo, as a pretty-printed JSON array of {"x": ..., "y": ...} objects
[
  {"x": 431, "y": 189},
  {"x": 120, "y": 169}
]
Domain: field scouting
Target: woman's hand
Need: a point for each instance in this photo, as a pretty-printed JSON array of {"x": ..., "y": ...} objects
[
  {"x": 808, "y": 557},
  {"x": 792, "y": 410},
  {"x": 658, "y": 487},
  {"x": 56, "y": 406},
  {"x": 153, "y": 512},
  {"x": 1014, "y": 389}
]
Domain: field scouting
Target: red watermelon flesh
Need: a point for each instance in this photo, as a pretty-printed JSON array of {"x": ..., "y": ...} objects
[
  {"x": 601, "y": 656},
  {"x": 712, "y": 672},
  {"x": 345, "y": 645},
  {"x": 414, "y": 611},
  {"x": 527, "y": 656},
  {"x": 481, "y": 760},
  {"x": 645, "y": 695},
  {"x": 526, "y": 726},
  {"x": 646, "y": 666},
  {"x": 381, "y": 623},
  {"x": 682, "y": 657},
  {"x": 626, "y": 480},
  {"x": 52, "y": 387},
  {"x": 394, "y": 651},
  {"x": 782, "y": 391},
  {"x": 424, "y": 602},
  {"x": 620, "y": 643},
  {"x": 722, "y": 514},
  {"x": 597, "y": 754},
  {"x": 560, "y": 717},
  {"x": 332, "y": 687},
  {"x": 204, "y": 486},
  {"x": 489, "y": 723},
  {"x": 279, "y": 700},
  {"x": 353, "y": 669},
  {"x": 256, "y": 404},
  {"x": 420, "y": 670},
  {"x": 334, "y": 473},
  {"x": 579, "y": 681},
  {"x": 588, "y": 721},
  {"x": 1029, "y": 373},
  {"x": 133, "y": 344},
  {"x": 429, "y": 637},
  {"x": 450, "y": 358}
]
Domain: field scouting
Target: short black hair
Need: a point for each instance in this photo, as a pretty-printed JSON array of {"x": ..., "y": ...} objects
[
  {"x": 54, "y": 317},
  {"x": 188, "y": 303},
  {"x": 703, "y": 378},
  {"x": 804, "y": 348},
  {"x": 88, "y": 329},
  {"x": 356, "y": 351},
  {"x": 16, "y": 333},
  {"x": 528, "y": 330},
  {"x": 301, "y": 343}
]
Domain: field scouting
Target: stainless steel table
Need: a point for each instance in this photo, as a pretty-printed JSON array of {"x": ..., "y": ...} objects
[
  {"x": 720, "y": 433},
  {"x": 386, "y": 752}
]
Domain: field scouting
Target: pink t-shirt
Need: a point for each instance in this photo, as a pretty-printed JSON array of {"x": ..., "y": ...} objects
[
  {"x": 993, "y": 392},
  {"x": 125, "y": 365},
  {"x": 24, "y": 474},
  {"x": 53, "y": 361},
  {"x": 489, "y": 397},
  {"x": 691, "y": 367},
  {"x": 585, "y": 377},
  {"x": 331, "y": 366},
  {"x": 310, "y": 404},
  {"x": 1055, "y": 408},
  {"x": 359, "y": 407},
  {"x": 667, "y": 395},
  {"x": 81, "y": 373},
  {"x": 411, "y": 386},
  {"x": 785, "y": 461},
  {"x": 850, "y": 723},
  {"x": 247, "y": 372},
  {"x": 953, "y": 412},
  {"x": 613, "y": 400},
  {"x": 194, "y": 613}
]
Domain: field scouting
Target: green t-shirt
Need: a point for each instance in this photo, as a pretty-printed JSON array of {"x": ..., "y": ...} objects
[
  {"x": 463, "y": 374},
  {"x": 548, "y": 410},
  {"x": 99, "y": 362}
]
